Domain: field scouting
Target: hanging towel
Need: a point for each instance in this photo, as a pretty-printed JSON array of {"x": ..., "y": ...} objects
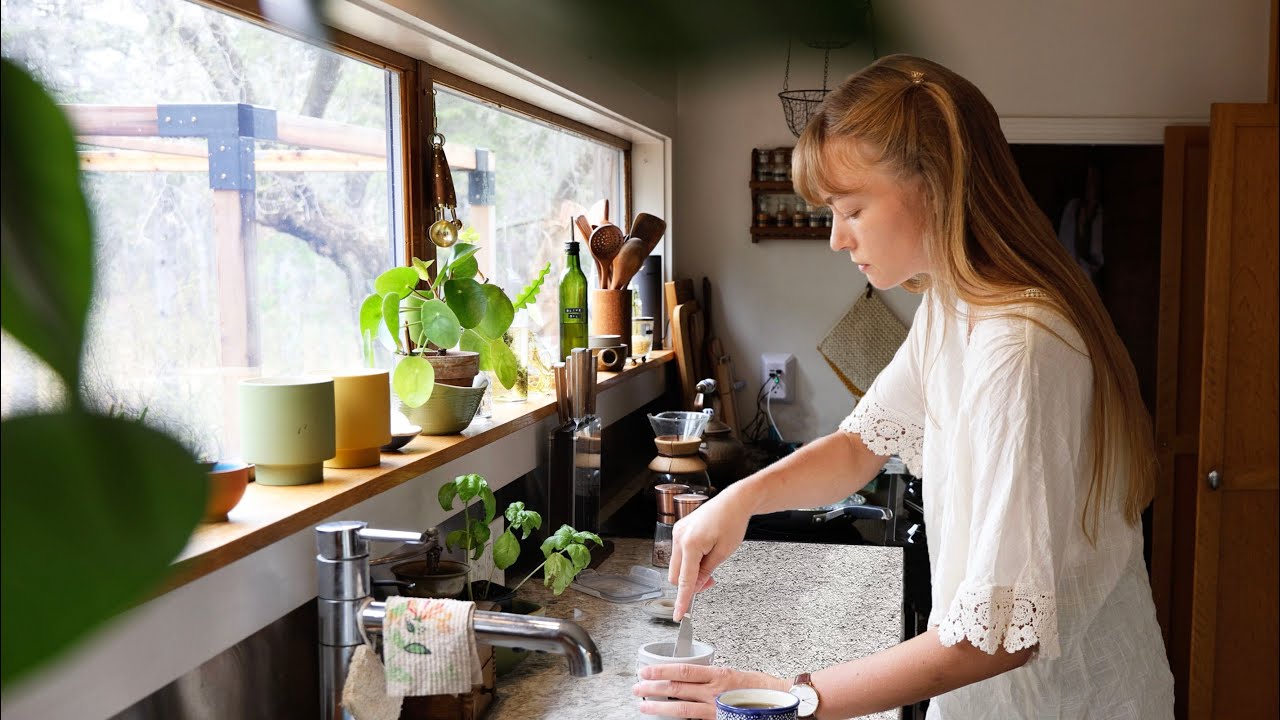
[
  {"x": 863, "y": 342},
  {"x": 364, "y": 695},
  {"x": 429, "y": 646}
]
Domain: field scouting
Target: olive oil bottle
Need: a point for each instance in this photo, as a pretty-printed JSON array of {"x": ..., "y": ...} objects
[{"x": 573, "y": 302}]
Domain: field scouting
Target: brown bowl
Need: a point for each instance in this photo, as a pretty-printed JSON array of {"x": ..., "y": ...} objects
[
  {"x": 227, "y": 482},
  {"x": 448, "y": 581}
]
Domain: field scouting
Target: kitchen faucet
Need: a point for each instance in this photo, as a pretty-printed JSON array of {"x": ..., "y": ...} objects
[{"x": 347, "y": 611}]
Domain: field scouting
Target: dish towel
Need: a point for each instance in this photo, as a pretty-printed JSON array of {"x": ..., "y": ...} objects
[
  {"x": 863, "y": 342},
  {"x": 364, "y": 695},
  {"x": 429, "y": 646}
]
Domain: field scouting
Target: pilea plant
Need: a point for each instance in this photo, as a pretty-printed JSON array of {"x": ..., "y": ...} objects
[{"x": 455, "y": 309}]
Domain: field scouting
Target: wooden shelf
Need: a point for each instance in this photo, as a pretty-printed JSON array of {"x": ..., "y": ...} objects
[
  {"x": 781, "y": 186},
  {"x": 789, "y": 233}
]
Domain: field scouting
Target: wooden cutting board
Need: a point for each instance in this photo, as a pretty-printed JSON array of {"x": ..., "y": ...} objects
[{"x": 683, "y": 319}]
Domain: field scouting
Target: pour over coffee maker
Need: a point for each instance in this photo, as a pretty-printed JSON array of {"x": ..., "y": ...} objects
[{"x": 678, "y": 435}]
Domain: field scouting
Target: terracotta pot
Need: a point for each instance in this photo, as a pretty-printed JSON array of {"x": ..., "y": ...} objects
[
  {"x": 227, "y": 482},
  {"x": 456, "y": 367}
]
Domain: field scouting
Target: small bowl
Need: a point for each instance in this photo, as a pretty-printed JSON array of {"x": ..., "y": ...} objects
[
  {"x": 605, "y": 341},
  {"x": 660, "y": 608},
  {"x": 401, "y": 437},
  {"x": 227, "y": 482}
]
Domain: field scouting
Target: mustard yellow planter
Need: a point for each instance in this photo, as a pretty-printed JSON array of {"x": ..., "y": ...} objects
[
  {"x": 362, "y": 409},
  {"x": 287, "y": 428}
]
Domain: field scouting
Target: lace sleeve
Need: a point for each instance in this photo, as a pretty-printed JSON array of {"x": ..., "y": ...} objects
[
  {"x": 992, "y": 617},
  {"x": 885, "y": 432}
]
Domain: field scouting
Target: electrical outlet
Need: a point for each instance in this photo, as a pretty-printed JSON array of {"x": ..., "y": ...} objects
[{"x": 783, "y": 367}]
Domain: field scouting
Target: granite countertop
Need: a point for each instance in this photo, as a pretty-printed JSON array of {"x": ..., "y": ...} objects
[{"x": 781, "y": 608}]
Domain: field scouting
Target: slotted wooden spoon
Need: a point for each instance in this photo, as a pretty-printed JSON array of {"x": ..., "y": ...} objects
[{"x": 606, "y": 241}]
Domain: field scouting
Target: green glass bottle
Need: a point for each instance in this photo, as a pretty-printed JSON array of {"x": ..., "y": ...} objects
[{"x": 573, "y": 303}]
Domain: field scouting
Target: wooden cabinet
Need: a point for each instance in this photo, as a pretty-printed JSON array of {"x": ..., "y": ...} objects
[{"x": 1216, "y": 519}]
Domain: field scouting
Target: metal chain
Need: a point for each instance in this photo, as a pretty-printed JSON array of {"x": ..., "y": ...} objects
[
  {"x": 826, "y": 65},
  {"x": 786, "y": 76}
]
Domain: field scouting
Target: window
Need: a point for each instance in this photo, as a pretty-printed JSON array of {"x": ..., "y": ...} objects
[
  {"x": 519, "y": 181},
  {"x": 245, "y": 188}
]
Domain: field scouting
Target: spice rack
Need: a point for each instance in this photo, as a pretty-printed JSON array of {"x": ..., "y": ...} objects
[{"x": 777, "y": 212}]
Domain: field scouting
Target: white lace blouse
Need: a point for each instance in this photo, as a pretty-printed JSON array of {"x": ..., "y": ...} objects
[{"x": 996, "y": 423}]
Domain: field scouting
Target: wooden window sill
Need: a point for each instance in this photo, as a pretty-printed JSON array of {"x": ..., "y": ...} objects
[{"x": 269, "y": 514}]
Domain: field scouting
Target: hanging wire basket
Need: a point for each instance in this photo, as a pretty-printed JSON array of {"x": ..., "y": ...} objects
[{"x": 798, "y": 106}]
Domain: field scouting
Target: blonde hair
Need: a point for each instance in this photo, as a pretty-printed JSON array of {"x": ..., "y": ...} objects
[{"x": 986, "y": 241}]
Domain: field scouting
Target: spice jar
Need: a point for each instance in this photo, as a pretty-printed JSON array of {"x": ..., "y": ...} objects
[
  {"x": 762, "y": 213},
  {"x": 783, "y": 217},
  {"x": 798, "y": 216},
  {"x": 781, "y": 168}
]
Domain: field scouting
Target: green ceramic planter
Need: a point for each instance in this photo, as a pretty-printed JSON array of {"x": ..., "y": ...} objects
[
  {"x": 449, "y": 410},
  {"x": 287, "y": 428}
]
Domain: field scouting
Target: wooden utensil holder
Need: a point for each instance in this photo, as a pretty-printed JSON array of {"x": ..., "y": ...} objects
[{"x": 611, "y": 314}]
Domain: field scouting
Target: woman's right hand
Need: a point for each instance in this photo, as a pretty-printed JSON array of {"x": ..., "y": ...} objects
[{"x": 702, "y": 540}]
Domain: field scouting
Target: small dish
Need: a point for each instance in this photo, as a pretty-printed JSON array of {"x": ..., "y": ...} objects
[
  {"x": 660, "y": 608},
  {"x": 401, "y": 436}
]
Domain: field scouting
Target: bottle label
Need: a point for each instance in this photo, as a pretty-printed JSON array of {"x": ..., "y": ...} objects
[{"x": 574, "y": 314}]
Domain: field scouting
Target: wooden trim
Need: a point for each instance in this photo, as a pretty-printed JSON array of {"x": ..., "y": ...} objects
[
  {"x": 628, "y": 197},
  {"x": 1092, "y": 130},
  {"x": 330, "y": 135},
  {"x": 337, "y": 40},
  {"x": 502, "y": 100},
  {"x": 113, "y": 120},
  {"x": 418, "y": 111},
  {"x": 1273, "y": 62},
  {"x": 269, "y": 514},
  {"x": 1177, "y": 140},
  {"x": 264, "y": 161}
]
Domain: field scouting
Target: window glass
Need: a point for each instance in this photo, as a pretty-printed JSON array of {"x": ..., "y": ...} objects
[
  {"x": 519, "y": 181},
  {"x": 244, "y": 187}
]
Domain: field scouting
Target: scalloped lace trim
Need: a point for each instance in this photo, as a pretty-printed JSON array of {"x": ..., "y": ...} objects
[
  {"x": 1014, "y": 618},
  {"x": 883, "y": 434}
]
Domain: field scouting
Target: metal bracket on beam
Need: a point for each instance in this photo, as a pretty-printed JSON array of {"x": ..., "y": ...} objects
[
  {"x": 231, "y": 129},
  {"x": 482, "y": 185}
]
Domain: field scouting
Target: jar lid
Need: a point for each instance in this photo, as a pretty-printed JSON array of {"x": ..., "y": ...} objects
[
  {"x": 687, "y": 503},
  {"x": 665, "y": 492}
]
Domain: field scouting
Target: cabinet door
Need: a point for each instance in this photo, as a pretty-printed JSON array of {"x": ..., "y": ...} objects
[{"x": 1234, "y": 621}]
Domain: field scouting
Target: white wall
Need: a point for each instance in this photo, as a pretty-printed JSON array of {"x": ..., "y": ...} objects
[{"x": 1133, "y": 65}]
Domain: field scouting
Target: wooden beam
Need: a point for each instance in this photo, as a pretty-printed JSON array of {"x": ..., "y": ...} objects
[
  {"x": 138, "y": 120},
  {"x": 266, "y": 161},
  {"x": 166, "y": 146}
]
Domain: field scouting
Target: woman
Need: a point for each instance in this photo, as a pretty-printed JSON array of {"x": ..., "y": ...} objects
[{"x": 1012, "y": 397}]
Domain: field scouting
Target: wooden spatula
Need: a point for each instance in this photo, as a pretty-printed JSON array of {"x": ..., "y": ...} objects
[{"x": 650, "y": 229}]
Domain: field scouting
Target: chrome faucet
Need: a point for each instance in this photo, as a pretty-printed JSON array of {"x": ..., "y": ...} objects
[{"x": 346, "y": 607}]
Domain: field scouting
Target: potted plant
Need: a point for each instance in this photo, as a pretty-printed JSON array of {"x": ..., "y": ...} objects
[
  {"x": 565, "y": 553},
  {"x": 450, "y": 329}
]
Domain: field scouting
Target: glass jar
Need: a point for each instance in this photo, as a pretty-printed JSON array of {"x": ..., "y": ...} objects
[
  {"x": 519, "y": 338},
  {"x": 783, "y": 217},
  {"x": 762, "y": 212},
  {"x": 799, "y": 218},
  {"x": 662, "y": 530},
  {"x": 781, "y": 168},
  {"x": 641, "y": 336},
  {"x": 762, "y": 169}
]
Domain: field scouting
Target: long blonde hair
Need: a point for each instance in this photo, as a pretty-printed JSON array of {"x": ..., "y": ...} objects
[{"x": 986, "y": 241}]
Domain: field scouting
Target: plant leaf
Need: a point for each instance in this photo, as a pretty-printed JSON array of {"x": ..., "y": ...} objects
[
  {"x": 468, "y": 301},
  {"x": 391, "y": 316},
  {"x": 413, "y": 380},
  {"x": 469, "y": 486},
  {"x": 417, "y": 649},
  {"x": 124, "y": 490},
  {"x": 583, "y": 536},
  {"x": 46, "y": 279},
  {"x": 580, "y": 556},
  {"x": 530, "y": 291},
  {"x": 532, "y": 521},
  {"x": 456, "y": 539},
  {"x": 439, "y": 324},
  {"x": 462, "y": 261},
  {"x": 498, "y": 313},
  {"x": 423, "y": 269},
  {"x": 506, "y": 549},
  {"x": 472, "y": 342},
  {"x": 502, "y": 361},
  {"x": 447, "y": 493},
  {"x": 559, "y": 573},
  {"x": 399, "y": 280},
  {"x": 513, "y": 510},
  {"x": 370, "y": 314},
  {"x": 490, "y": 503}
]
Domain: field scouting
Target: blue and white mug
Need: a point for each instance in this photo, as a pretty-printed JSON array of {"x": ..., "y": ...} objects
[{"x": 757, "y": 704}]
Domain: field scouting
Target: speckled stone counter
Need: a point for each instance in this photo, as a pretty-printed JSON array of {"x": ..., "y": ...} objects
[{"x": 780, "y": 608}]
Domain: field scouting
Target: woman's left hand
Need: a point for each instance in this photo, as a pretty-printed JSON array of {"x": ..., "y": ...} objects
[{"x": 695, "y": 687}]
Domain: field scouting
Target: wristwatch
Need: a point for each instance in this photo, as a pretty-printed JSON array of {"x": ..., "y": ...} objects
[{"x": 803, "y": 688}]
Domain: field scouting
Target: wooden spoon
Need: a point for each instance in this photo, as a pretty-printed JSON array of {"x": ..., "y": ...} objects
[
  {"x": 628, "y": 262},
  {"x": 650, "y": 229},
  {"x": 606, "y": 242},
  {"x": 585, "y": 230}
]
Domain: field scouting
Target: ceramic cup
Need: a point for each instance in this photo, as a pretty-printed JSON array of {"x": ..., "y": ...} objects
[
  {"x": 659, "y": 653},
  {"x": 287, "y": 428},
  {"x": 757, "y": 704},
  {"x": 610, "y": 359},
  {"x": 362, "y": 417}
]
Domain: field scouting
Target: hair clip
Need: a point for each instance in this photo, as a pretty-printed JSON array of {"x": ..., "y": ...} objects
[{"x": 917, "y": 77}]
